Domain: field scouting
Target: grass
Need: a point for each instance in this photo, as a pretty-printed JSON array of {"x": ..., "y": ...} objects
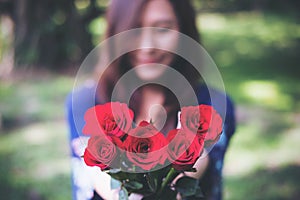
[
  {"x": 34, "y": 164},
  {"x": 257, "y": 57},
  {"x": 34, "y": 139}
]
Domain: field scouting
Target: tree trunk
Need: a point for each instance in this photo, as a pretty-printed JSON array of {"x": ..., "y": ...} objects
[{"x": 50, "y": 33}]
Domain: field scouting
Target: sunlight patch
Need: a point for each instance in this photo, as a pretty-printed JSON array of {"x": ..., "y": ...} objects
[
  {"x": 266, "y": 93},
  {"x": 211, "y": 22}
]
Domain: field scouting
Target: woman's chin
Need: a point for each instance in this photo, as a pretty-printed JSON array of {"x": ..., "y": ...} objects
[{"x": 149, "y": 72}]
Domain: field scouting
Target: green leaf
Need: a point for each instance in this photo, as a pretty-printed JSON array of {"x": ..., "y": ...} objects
[
  {"x": 152, "y": 182},
  {"x": 186, "y": 186},
  {"x": 134, "y": 185},
  {"x": 114, "y": 171},
  {"x": 168, "y": 194},
  {"x": 199, "y": 193},
  {"x": 191, "y": 170},
  {"x": 114, "y": 183},
  {"x": 119, "y": 175}
]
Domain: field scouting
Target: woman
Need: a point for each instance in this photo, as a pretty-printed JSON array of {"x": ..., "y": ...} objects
[{"x": 168, "y": 17}]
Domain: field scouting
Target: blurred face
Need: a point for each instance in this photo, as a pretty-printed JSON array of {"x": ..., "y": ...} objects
[{"x": 158, "y": 14}]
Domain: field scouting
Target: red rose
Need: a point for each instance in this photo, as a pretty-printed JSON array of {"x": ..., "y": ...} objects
[
  {"x": 102, "y": 151},
  {"x": 215, "y": 129},
  {"x": 144, "y": 146},
  {"x": 90, "y": 160},
  {"x": 184, "y": 148},
  {"x": 112, "y": 118},
  {"x": 202, "y": 119}
]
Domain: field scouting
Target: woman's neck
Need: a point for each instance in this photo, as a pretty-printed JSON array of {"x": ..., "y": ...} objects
[
  {"x": 148, "y": 105},
  {"x": 152, "y": 108}
]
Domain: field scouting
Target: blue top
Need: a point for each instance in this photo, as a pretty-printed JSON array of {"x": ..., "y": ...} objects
[{"x": 83, "y": 98}]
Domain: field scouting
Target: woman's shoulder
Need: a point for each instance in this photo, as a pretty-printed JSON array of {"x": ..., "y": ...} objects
[
  {"x": 77, "y": 103},
  {"x": 222, "y": 104},
  {"x": 83, "y": 96},
  {"x": 219, "y": 99}
]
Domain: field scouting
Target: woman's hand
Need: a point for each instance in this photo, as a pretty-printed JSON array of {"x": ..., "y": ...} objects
[
  {"x": 135, "y": 196},
  {"x": 102, "y": 184},
  {"x": 200, "y": 166}
]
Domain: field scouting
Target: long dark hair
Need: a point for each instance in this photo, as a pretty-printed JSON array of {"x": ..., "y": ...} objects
[{"x": 124, "y": 15}]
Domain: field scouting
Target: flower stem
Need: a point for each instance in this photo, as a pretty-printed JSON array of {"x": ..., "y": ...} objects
[{"x": 170, "y": 176}]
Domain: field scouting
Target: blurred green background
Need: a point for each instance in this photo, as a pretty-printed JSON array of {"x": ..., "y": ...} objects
[{"x": 255, "y": 44}]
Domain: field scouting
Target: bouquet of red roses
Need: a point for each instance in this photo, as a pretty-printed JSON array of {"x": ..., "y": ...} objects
[{"x": 141, "y": 159}]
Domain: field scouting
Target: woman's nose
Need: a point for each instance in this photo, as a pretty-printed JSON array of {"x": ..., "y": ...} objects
[{"x": 147, "y": 40}]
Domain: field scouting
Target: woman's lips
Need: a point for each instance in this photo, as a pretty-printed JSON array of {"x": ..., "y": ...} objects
[{"x": 142, "y": 61}]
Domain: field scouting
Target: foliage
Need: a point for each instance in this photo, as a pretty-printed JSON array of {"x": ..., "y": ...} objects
[
  {"x": 58, "y": 34},
  {"x": 52, "y": 34},
  {"x": 263, "y": 157},
  {"x": 246, "y": 5},
  {"x": 257, "y": 56},
  {"x": 24, "y": 102}
]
